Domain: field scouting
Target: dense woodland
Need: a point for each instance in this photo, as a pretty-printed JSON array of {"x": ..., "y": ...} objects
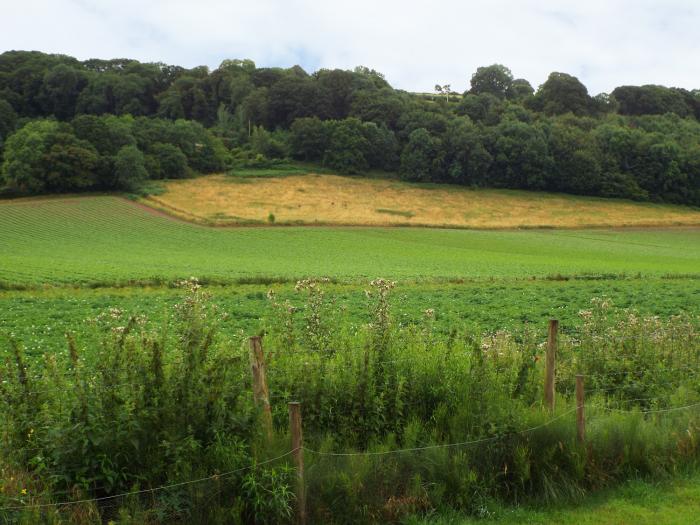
[{"x": 70, "y": 125}]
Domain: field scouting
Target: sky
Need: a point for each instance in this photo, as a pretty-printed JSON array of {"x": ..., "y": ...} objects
[{"x": 414, "y": 44}]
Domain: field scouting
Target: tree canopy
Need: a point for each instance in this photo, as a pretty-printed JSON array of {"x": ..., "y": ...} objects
[{"x": 70, "y": 125}]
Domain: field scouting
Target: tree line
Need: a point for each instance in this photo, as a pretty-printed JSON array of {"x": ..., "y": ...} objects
[{"x": 69, "y": 125}]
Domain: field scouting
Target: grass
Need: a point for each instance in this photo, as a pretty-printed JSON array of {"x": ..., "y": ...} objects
[
  {"x": 296, "y": 198},
  {"x": 109, "y": 240},
  {"x": 637, "y": 502}
]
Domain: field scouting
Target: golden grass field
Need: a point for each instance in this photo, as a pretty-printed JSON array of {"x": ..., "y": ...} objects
[{"x": 223, "y": 200}]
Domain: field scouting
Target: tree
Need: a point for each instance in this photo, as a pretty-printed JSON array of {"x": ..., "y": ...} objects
[
  {"x": 129, "y": 169},
  {"x": 8, "y": 120},
  {"x": 165, "y": 161},
  {"x": 205, "y": 152},
  {"x": 652, "y": 100},
  {"x": 521, "y": 156},
  {"x": 463, "y": 158},
  {"x": 486, "y": 108},
  {"x": 69, "y": 164},
  {"x": 495, "y": 79},
  {"x": 289, "y": 99},
  {"x": 255, "y": 108},
  {"x": 381, "y": 106},
  {"x": 347, "y": 146},
  {"x": 520, "y": 89},
  {"x": 383, "y": 148},
  {"x": 335, "y": 91},
  {"x": 443, "y": 90},
  {"x": 413, "y": 119},
  {"x": 560, "y": 94},
  {"x": 60, "y": 90},
  {"x": 44, "y": 156},
  {"x": 419, "y": 155},
  {"x": 108, "y": 134},
  {"x": 308, "y": 139},
  {"x": 577, "y": 160},
  {"x": 22, "y": 168},
  {"x": 265, "y": 143}
]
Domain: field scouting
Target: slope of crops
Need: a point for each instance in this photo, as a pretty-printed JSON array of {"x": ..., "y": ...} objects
[
  {"x": 92, "y": 239},
  {"x": 40, "y": 318}
]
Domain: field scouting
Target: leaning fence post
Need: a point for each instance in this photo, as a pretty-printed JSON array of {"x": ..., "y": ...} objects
[
  {"x": 580, "y": 410},
  {"x": 261, "y": 394},
  {"x": 298, "y": 455},
  {"x": 550, "y": 364}
]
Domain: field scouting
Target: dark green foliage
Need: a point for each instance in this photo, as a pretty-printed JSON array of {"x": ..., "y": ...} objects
[
  {"x": 654, "y": 100},
  {"x": 60, "y": 90},
  {"x": 560, "y": 94},
  {"x": 639, "y": 142},
  {"x": 484, "y": 107},
  {"x": 308, "y": 139},
  {"x": 45, "y": 156},
  {"x": 496, "y": 80},
  {"x": 417, "y": 159},
  {"x": 166, "y": 161},
  {"x": 521, "y": 157},
  {"x": 8, "y": 119},
  {"x": 464, "y": 158},
  {"x": 129, "y": 168},
  {"x": 347, "y": 147},
  {"x": 576, "y": 160},
  {"x": 70, "y": 164},
  {"x": 24, "y": 152}
]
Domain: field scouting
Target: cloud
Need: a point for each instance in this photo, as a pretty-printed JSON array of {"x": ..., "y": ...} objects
[{"x": 415, "y": 44}]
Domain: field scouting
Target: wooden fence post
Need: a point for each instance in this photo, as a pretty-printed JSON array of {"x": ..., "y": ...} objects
[
  {"x": 550, "y": 364},
  {"x": 298, "y": 455},
  {"x": 580, "y": 410},
  {"x": 261, "y": 395}
]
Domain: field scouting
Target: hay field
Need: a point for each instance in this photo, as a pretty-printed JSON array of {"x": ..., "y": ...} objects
[{"x": 334, "y": 200}]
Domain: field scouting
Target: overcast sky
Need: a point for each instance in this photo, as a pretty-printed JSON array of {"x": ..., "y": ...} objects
[{"x": 415, "y": 44}]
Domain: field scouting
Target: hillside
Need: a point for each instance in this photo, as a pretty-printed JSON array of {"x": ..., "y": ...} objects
[
  {"x": 109, "y": 239},
  {"x": 334, "y": 200}
]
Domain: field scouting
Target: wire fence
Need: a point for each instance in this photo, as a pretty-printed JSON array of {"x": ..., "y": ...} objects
[
  {"x": 319, "y": 362},
  {"x": 320, "y": 453}
]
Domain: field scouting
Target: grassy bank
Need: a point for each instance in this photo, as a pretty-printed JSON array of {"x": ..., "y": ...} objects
[
  {"x": 248, "y": 198},
  {"x": 638, "y": 502}
]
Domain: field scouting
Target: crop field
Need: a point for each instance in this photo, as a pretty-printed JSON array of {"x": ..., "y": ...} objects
[
  {"x": 330, "y": 199},
  {"x": 40, "y": 318},
  {"x": 418, "y": 396},
  {"x": 106, "y": 240}
]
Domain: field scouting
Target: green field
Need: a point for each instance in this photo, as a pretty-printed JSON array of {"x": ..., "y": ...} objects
[
  {"x": 110, "y": 240},
  {"x": 487, "y": 280},
  {"x": 64, "y": 261},
  {"x": 39, "y": 318}
]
